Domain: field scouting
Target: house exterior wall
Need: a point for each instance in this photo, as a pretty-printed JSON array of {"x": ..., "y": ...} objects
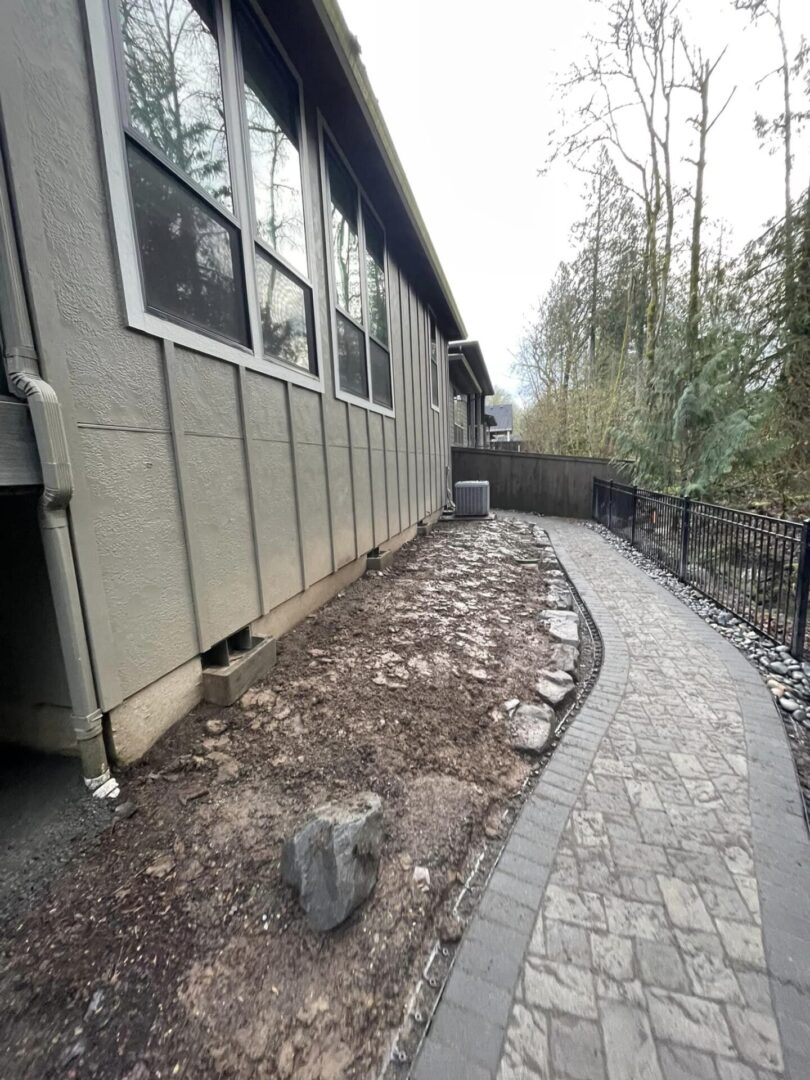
[{"x": 207, "y": 492}]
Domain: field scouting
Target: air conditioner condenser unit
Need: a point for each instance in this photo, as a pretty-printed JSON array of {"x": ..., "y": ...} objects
[{"x": 472, "y": 498}]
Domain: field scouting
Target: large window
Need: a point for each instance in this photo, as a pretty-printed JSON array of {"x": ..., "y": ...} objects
[
  {"x": 270, "y": 104},
  {"x": 177, "y": 156},
  {"x": 212, "y": 139},
  {"x": 361, "y": 316}
]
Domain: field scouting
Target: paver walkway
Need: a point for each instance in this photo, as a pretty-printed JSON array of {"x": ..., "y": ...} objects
[{"x": 649, "y": 918}]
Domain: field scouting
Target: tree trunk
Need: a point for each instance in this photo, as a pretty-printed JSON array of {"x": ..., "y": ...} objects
[
  {"x": 693, "y": 313},
  {"x": 595, "y": 280},
  {"x": 788, "y": 148}
]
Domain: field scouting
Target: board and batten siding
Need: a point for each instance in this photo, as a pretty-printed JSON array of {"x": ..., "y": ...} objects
[{"x": 207, "y": 492}]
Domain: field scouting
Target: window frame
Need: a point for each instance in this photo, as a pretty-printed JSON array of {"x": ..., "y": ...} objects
[
  {"x": 324, "y": 133},
  {"x": 109, "y": 77},
  {"x": 435, "y": 405}
]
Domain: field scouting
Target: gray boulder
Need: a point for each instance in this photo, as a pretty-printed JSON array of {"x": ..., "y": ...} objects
[
  {"x": 554, "y": 687},
  {"x": 531, "y": 728},
  {"x": 565, "y": 658},
  {"x": 558, "y": 597},
  {"x": 332, "y": 860},
  {"x": 563, "y": 626}
]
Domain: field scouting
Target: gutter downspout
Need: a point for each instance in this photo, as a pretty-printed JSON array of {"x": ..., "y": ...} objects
[{"x": 24, "y": 379}]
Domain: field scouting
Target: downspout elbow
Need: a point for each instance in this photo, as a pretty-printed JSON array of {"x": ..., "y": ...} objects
[{"x": 49, "y": 430}]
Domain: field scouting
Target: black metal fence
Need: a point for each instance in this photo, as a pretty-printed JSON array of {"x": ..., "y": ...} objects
[{"x": 757, "y": 567}]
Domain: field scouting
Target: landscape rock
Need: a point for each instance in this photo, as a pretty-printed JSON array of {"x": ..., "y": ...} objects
[
  {"x": 559, "y": 597},
  {"x": 554, "y": 687},
  {"x": 565, "y": 658},
  {"x": 332, "y": 860},
  {"x": 563, "y": 626},
  {"x": 531, "y": 728},
  {"x": 421, "y": 878}
]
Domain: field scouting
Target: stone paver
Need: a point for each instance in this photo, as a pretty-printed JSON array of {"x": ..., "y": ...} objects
[{"x": 650, "y": 915}]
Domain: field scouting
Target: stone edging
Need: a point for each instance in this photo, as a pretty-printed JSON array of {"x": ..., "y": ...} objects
[{"x": 477, "y": 1001}]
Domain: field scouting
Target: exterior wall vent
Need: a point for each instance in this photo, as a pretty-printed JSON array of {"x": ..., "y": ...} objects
[{"x": 472, "y": 498}]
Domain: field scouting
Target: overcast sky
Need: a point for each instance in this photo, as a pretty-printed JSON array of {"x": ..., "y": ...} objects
[{"x": 467, "y": 88}]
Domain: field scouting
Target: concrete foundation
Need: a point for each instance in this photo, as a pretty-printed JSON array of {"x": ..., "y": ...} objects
[
  {"x": 224, "y": 685},
  {"x": 139, "y": 721},
  {"x": 380, "y": 561}
]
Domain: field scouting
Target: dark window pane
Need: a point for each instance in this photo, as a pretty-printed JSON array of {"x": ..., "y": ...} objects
[
  {"x": 375, "y": 276},
  {"x": 342, "y": 188},
  {"x": 375, "y": 241},
  {"x": 351, "y": 358},
  {"x": 380, "y": 376},
  {"x": 345, "y": 242},
  {"x": 190, "y": 257},
  {"x": 377, "y": 310},
  {"x": 271, "y": 105},
  {"x": 285, "y": 309},
  {"x": 434, "y": 364},
  {"x": 175, "y": 90}
]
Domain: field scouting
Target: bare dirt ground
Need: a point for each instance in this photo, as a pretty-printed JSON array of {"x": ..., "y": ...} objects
[{"x": 173, "y": 948}]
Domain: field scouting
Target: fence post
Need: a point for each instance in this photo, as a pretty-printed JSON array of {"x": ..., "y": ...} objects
[
  {"x": 594, "y": 512},
  {"x": 610, "y": 506},
  {"x": 685, "y": 521},
  {"x": 633, "y": 524},
  {"x": 802, "y": 590}
]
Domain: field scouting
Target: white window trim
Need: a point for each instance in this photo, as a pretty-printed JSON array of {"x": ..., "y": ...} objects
[
  {"x": 111, "y": 124},
  {"x": 341, "y": 394}
]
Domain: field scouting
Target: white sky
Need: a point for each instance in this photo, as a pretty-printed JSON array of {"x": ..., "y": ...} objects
[{"x": 467, "y": 90}]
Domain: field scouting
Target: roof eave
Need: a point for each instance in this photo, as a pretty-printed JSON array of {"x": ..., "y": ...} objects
[{"x": 471, "y": 350}]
